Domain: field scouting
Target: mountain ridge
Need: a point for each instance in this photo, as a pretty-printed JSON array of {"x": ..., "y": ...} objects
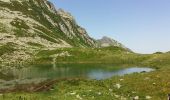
[
  {"x": 46, "y": 18},
  {"x": 28, "y": 26}
]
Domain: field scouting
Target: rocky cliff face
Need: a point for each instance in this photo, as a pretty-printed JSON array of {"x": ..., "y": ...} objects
[
  {"x": 39, "y": 20},
  {"x": 29, "y": 25}
]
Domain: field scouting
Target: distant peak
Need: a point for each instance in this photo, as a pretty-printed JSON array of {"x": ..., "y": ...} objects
[
  {"x": 105, "y": 37},
  {"x": 106, "y": 41}
]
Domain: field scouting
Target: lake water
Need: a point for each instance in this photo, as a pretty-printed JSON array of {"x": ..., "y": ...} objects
[{"x": 39, "y": 73}]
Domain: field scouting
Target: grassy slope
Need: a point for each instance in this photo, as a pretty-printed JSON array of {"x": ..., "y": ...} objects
[
  {"x": 116, "y": 56},
  {"x": 154, "y": 84}
]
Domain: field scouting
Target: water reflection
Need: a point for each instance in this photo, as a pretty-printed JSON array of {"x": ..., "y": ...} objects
[
  {"x": 39, "y": 73},
  {"x": 100, "y": 74}
]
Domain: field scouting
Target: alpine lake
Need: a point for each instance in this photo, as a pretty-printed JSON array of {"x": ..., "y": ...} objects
[{"x": 36, "y": 74}]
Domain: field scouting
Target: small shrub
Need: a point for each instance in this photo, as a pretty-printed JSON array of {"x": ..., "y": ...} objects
[
  {"x": 8, "y": 48},
  {"x": 18, "y": 23}
]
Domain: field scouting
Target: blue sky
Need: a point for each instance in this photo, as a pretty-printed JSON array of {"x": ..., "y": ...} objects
[{"x": 141, "y": 25}]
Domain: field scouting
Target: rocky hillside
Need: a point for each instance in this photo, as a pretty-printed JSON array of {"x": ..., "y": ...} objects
[
  {"x": 29, "y": 25},
  {"x": 106, "y": 42}
]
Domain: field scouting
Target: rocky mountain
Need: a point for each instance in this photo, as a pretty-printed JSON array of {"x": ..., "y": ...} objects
[
  {"x": 29, "y": 25},
  {"x": 106, "y": 42}
]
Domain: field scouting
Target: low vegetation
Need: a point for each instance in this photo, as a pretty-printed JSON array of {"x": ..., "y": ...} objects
[
  {"x": 7, "y": 48},
  {"x": 138, "y": 86},
  {"x": 112, "y": 55}
]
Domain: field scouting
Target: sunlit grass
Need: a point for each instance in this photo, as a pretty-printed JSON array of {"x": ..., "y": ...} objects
[{"x": 153, "y": 85}]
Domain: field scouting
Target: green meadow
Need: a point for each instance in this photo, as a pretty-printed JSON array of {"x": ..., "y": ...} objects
[{"x": 153, "y": 85}]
